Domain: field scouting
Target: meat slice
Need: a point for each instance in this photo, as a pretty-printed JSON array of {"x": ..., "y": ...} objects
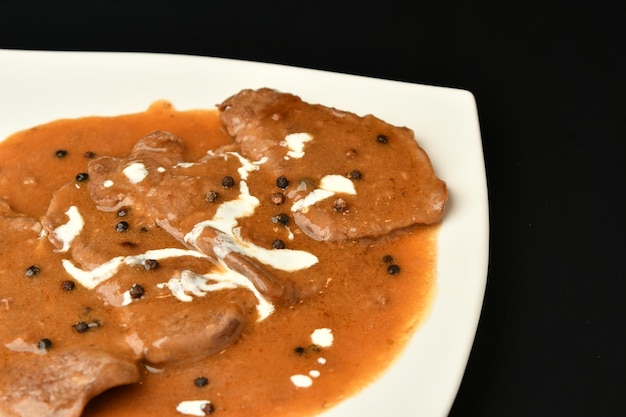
[
  {"x": 119, "y": 180},
  {"x": 187, "y": 335},
  {"x": 59, "y": 384},
  {"x": 16, "y": 227},
  {"x": 172, "y": 195},
  {"x": 395, "y": 185}
]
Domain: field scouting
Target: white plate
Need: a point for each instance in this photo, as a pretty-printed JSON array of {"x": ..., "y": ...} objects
[{"x": 37, "y": 87}]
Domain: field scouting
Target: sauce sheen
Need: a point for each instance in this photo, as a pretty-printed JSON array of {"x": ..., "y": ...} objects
[{"x": 300, "y": 360}]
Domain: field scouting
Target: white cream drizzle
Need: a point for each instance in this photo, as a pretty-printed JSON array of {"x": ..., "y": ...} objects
[
  {"x": 295, "y": 142},
  {"x": 301, "y": 381},
  {"x": 337, "y": 184},
  {"x": 68, "y": 231},
  {"x": 190, "y": 282},
  {"x": 329, "y": 186},
  {"x": 228, "y": 240},
  {"x": 135, "y": 172},
  {"x": 322, "y": 337},
  {"x": 92, "y": 278},
  {"x": 193, "y": 407}
]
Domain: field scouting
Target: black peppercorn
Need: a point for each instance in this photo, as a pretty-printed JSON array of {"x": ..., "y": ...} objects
[
  {"x": 211, "y": 196},
  {"x": 68, "y": 285},
  {"x": 278, "y": 244},
  {"x": 121, "y": 226},
  {"x": 44, "y": 344},
  {"x": 60, "y": 153},
  {"x": 136, "y": 291},
  {"x": 382, "y": 138},
  {"x": 393, "y": 269},
  {"x": 208, "y": 408},
  {"x": 299, "y": 350},
  {"x": 355, "y": 175},
  {"x": 150, "y": 264},
  {"x": 81, "y": 327},
  {"x": 281, "y": 218},
  {"x": 201, "y": 381},
  {"x": 32, "y": 271},
  {"x": 82, "y": 176},
  {"x": 228, "y": 181},
  {"x": 282, "y": 182},
  {"x": 89, "y": 154}
]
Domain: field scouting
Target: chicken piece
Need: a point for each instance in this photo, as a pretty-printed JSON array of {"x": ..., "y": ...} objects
[
  {"x": 394, "y": 182},
  {"x": 60, "y": 383}
]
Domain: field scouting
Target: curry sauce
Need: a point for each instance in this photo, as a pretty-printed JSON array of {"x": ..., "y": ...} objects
[{"x": 369, "y": 296}]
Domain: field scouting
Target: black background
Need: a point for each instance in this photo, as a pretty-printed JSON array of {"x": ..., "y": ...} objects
[{"x": 549, "y": 83}]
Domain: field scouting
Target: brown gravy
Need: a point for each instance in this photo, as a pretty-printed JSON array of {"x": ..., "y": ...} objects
[{"x": 371, "y": 312}]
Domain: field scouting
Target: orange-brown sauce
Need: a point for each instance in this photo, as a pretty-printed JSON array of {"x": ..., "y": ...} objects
[{"x": 371, "y": 313}]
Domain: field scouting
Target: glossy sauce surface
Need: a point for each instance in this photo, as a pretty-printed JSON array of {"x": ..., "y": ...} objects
[{"x": 370, "y": 311}]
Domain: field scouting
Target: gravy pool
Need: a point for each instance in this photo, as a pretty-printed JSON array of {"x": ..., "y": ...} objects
[{"x": 274, "y": 368}]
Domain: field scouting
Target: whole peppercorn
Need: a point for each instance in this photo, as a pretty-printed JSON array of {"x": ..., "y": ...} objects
[
  {"x": 82, "y": 176},
  {"x": 60, "y": 153},
  {"x": 44, "y": 344},
  {"x": 211, "y": 196},
  {"x": 81, "y": 327},
  {"x": 207, "y": 408},
  {"x": 228, "y": 181},
  {"x": 201, "y": 381},
  {"x": 340, "y": 205},
  {"x": 282, "y": 182},
  {"x": 136, "y": 291},
  {"x": 281, "y": 218},
  {"x": 277, "y": 198},
  {"x": 382, "y": 139},
  {"x": 122, "y": 226},
  {"x": 32, "y": 271},
  {"x": 355, "y": 175},
  {"x": 150, "y": 264},
  {"x": 67, "y": 285},
  {"x": 278, "y": 244},
  {"x": 393, "y": 269}
]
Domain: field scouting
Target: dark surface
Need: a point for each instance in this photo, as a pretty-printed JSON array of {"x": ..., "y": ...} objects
[{"x": 549, "y": 82}]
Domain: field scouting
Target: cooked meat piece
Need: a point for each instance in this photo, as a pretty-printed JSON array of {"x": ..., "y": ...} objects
[
  {"x": 173, "y": 197},
  {"x": 16, "y": 227},
  {"x": 186, "y": 335},
  {"x": 152, "y": 154},
  {"x": 280, "y": 292},
  {"x": 393, "y": 178},
  {"x": 60, "y": 383}
]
